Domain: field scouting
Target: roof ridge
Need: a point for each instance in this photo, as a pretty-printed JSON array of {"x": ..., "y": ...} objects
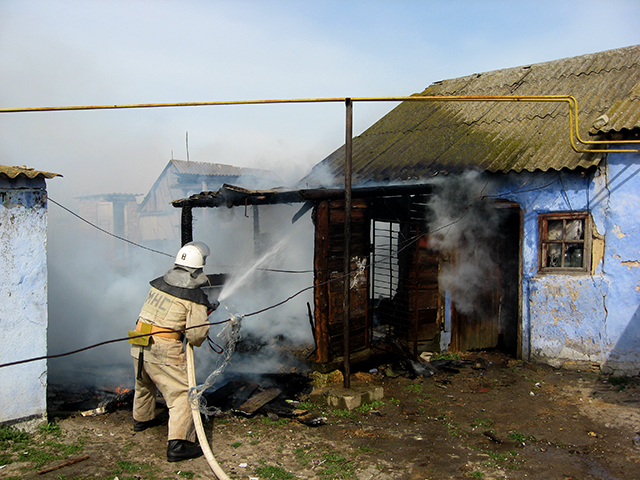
[{"x": 537, "y": 68}]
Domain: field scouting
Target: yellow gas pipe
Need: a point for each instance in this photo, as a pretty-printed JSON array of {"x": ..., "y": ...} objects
[{"x": 568, "y": 99}]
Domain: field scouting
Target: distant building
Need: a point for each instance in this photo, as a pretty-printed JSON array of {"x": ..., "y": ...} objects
[
  {"x": 160, "y": 223},
  {"x": 116, "y": 213},
  {"x": 23, "y": 290}
]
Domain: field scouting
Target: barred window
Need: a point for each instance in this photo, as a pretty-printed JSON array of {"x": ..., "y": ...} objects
[{"x": 565, "y": 243}]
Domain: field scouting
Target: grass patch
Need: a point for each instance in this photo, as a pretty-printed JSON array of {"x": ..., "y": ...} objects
[
  {"x": 481, "y": 422},
  {"x": 368, "y": 450},
  {"x": 454, "y": 430},
  {"x": 446, "y": 356},
  {"x": 236, "y": 444},
  {"x": 187, "y": 474},
  {"x": 274, "y": 423},
  {"x": 50, "y": 429},
  {"x": 271, "y": 472},
  {"x": 620, "y": 382},
  {"x": 307, "y": 406},
  {"x": 500, "y": 460},
  {"x": 303, "y": 455},
  {"x": 368, "y": 407},
  {"x": 413, "y": 388},
  {"x": 126, "y": 470},
  {"x": 329, "y": 465},
  {"x": 128, "y": 467},
  {"x": 519, "y": 437},
  {"x": 38, "y": 449},
  {"x": 343, "y": 413},
  {"x": 336, "y": 466},
  {"x": 10, "y": 436}
]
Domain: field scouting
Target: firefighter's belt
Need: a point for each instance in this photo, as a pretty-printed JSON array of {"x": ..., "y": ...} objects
[{"x": 147, "y": 328}]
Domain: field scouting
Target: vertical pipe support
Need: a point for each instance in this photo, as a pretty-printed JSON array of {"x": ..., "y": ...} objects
[
  {"x": 416, "y": 292},
  {"x": 186, "y": 225},
  {"x": 347, "y": 242},
  {"x": 257, "y": 243}
]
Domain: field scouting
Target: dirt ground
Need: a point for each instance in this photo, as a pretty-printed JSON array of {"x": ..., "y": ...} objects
[{"x": 510, "y": 420}]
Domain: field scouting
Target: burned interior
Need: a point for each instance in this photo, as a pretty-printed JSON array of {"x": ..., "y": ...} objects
[{"x": 397, "y": 303}]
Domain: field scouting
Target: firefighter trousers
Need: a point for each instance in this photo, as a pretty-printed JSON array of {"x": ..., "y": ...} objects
[{"x": 172, "y": 382}]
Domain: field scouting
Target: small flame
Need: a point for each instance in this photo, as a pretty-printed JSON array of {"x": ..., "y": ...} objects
[{"x": 121, "y": 390}]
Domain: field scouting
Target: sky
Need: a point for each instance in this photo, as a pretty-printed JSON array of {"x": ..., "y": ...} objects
[{"x": 103, "y": 52}]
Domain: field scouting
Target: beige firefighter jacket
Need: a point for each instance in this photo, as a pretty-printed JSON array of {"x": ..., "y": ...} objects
[{"x": 164, "y": 310}]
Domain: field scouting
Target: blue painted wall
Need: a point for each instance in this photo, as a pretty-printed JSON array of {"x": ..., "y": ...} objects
[{"x": 583, "y": 319}]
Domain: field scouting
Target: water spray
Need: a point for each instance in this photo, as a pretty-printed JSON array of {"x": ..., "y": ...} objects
[{"x": 231, "y": 287}]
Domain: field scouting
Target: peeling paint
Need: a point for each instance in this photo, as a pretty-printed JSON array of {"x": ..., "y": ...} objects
[
  {"x": 631, "y": 264},
  {"x": 597, "y": 250},
  {"x": 618, "y": 231}
]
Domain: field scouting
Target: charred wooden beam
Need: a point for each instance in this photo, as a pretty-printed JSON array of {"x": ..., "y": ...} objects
[
  {"x": 321, "y": 281},
  {"x": 186, "y": 225},
  {"x": 230, "y": 196}
]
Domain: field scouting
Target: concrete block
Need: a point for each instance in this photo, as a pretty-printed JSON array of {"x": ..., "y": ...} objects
[{"x": 349, "y": 399}]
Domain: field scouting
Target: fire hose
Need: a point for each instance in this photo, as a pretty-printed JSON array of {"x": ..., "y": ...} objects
[{"x": 197, "y": 419}]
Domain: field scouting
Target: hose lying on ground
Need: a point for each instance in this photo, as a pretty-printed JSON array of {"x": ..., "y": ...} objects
[{"x": 197, "y": 419}]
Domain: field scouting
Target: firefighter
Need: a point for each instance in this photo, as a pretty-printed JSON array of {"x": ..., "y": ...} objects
[{"x": 175, "y": 302}]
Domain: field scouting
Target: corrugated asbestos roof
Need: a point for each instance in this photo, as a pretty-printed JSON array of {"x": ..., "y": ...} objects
[
  {"x": 420, "y": 139},
  {"x": 13, "y": 172},
  {"x": 219, "y": 169}
]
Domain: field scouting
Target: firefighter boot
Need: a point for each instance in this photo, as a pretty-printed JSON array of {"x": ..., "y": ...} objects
[
  {"x": 182, "y": 450},
  {"x": 142, "y": 426}
]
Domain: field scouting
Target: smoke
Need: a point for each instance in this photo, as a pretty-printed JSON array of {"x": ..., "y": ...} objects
[
  {"x": 321, "y": 176},
  {"x": 97, "y": 285},
  {"x": 464, "y": 225},
  {"x": 93, "y": 297},
  {"x": 279, "y": 267}
]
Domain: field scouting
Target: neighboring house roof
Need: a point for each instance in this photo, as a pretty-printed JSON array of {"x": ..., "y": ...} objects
[
  {"x": 417, "y": 140},
  {"x": 194, "y": 171},
  {"x": 13, "y": 172},
  {"x": 219, "y": 169}
]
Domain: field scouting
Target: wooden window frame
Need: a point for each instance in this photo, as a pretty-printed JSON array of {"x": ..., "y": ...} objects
[{"x": 544, "y": 242}]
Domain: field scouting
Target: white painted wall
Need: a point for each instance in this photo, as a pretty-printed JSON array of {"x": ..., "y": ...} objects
[{"x": 23, "y": 304}]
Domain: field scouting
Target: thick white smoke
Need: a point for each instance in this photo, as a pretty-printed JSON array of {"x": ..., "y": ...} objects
[
  {"x": 464, "y": 225},
  {"x": 94, "y": 296},
  {"x": 262, "y": 277}
]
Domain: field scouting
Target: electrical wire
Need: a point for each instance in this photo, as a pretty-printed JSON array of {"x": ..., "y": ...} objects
[
  {"x": 107, "y": 342},
  {"x": 564, "y": 191},
  {"x": 106, "y": 231}
]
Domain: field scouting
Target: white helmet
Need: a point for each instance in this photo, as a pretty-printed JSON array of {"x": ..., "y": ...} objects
[{"x": 193, "y": 255}]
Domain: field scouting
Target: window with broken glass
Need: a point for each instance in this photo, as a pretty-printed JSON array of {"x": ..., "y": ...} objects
[{"x": 565, "y": 244}]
